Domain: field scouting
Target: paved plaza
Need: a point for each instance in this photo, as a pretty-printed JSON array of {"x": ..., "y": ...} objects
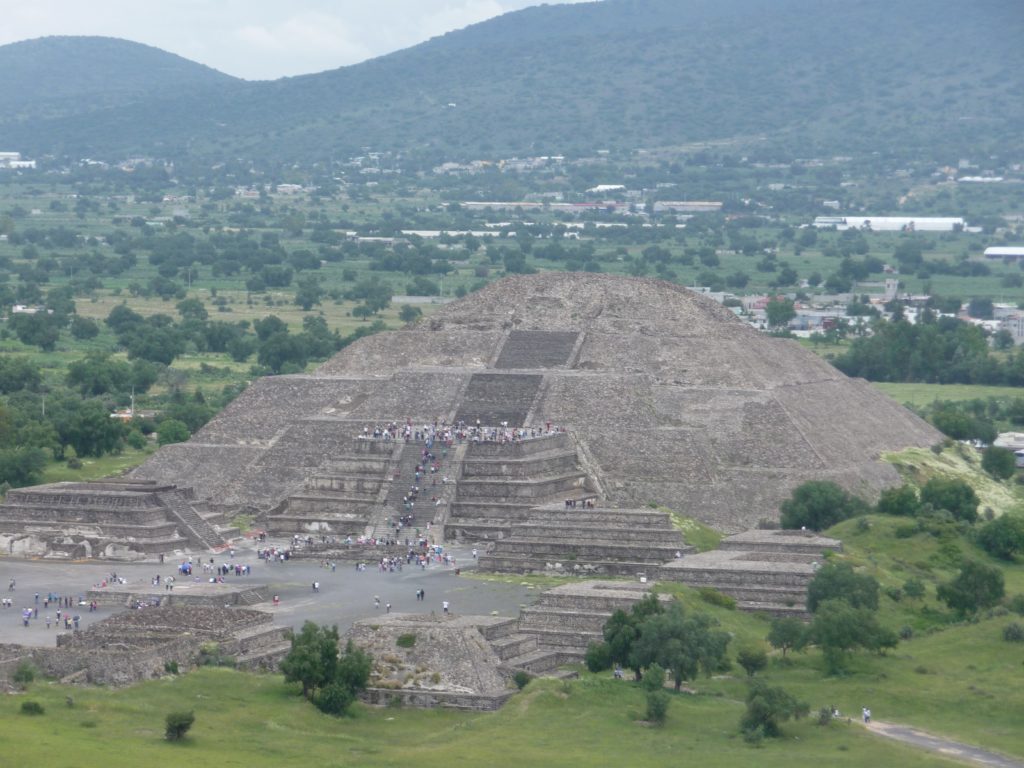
[{"x": 345, "y": 594}]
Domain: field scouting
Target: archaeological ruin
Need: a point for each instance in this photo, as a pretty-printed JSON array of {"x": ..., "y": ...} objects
[{"x": 632, "y": 393}]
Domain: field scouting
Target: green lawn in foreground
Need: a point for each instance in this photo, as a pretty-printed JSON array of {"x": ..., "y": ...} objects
[
  {"x": 248, "y": 720},
  {"x": 925, "y": 394}
]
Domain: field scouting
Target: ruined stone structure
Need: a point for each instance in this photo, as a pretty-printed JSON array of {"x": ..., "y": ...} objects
[
  {"x": 766, "y": 571},
  {"x": 467, "y": 662},
  {"x": 664, "y": 396},
  {"x": 135, "y": 645},
  {"x": 110, "y": 519}
]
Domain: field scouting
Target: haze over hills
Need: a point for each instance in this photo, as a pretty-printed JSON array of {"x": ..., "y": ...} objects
[
  {"x": 809, "y": 76},
  {"x": 54, "y": 76}
]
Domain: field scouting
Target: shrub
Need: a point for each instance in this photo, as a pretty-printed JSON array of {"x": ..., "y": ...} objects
[
  {"x": 999, "y": 462},
  {"x": 1016, "y": 604},
  {"x": 1012, "y": 633},
  {"x": 906, "y": 632},
  {"x": 824, "y": 716},
  {"x": 654, "y": 678},
  {"x": 901, "y": 501},
  {"x": 334, "y": 698},
  {"x": 171, "y": 667},
  {"x": 712, "y": 596},
  {"x": 598, "y": 657},
  {"x": 753, "y": 660},
  {"x": 894, "y": 593},
  {"x": 24, "y": 674},
  {"x": 977, "y": 586},
  {"x": 954, "y": 496},
  {"x": 657, "y": 707},
  {"x": 907, "y": 530},
  {"x": 74, "y": 463},
  {"x": 522, "y": 679},
  {"x": 177, "y": 725},
  {"x": 32, "y": 708},
  {"x": 819, "y": 504},
  {"x": 406, "y": 641},
  {"x": 1003, "y": 537}
]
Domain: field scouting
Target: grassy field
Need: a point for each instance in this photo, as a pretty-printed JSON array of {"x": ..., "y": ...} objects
[
  {"x": 925, "y": 394},
  {"x": 245, "y": 720},
  {"x": 94, "y": 469}
]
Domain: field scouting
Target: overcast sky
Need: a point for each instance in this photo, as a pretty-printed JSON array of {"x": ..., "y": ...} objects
[{"x": 255, "y": 39}]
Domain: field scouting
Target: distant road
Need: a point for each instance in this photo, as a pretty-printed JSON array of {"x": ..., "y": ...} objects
[{"x": 951, "y": 749}]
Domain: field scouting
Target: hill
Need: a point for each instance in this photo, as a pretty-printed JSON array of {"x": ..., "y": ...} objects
[
  {"x": 55, "y": 76},
  {"x": 804, "y": 76}
]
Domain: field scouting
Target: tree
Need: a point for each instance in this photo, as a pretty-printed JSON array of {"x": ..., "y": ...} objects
[
  {"x": 900, "y": 501},
  {"x": 977, "y": 586},
  {"x": 178, "y": 724},
  {"x": 38, "y": 330},
  {"x": 309, "y": 292},
  {"x": 819, "y": 504},
  {"x": 914, "y": 588},
  {"x": 839, "y": 628},
  {"x": 172, "y": 431},
  {"x": 87, "y": 427},
  {"x": 192, "y": 309},
  {"x": 1003, "y": 537},
  {"x": 83, "y": 328},
  {"x": 954, "y": 496},
  {"x": 313, "y": 658},
  {"x": 768, "y": 706},
  {"x": 409, "y": 313},
  {"x": 753, "y": 660},
  {"x": 779, "y": 312},
  {"x": 786, "y": 633},
  {"x": 838, "y": 581},
  {"x": 622, "y": 630},
  {"x": 685, "y": 644},
  {"x": 999, "y": 462}
]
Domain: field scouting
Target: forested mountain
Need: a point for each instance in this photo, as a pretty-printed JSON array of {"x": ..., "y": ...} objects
[
  {"x": 54, "y": 76},
  {"x": 804, "y": 76}
]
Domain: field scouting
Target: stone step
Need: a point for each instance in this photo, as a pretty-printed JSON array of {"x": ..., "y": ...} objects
[
  {"x": 564, "y": 640},
  {"x": 500, "y": 630},
  {"x": 561, "y": 618},
  {"x": 597, "y": 535},
  {"x": 783, "y": 595},
  {"x": 537, "y": 662},
  {"x": 563, "y": 549},
  {"x": 470, "y": 531},
  {"x": 775, "y": 609},
  {"x": 599, "y": 601},
  {"x": 265, "y": 658},
  {"x": 514, "y": 645},
  {"x": 723, "y": 579},
  {"x": 545, "y": 463},
  {"x": 537, "y": 489},
  {"x": 520, "y": 448},
  {"x": 554, "y": 567}
]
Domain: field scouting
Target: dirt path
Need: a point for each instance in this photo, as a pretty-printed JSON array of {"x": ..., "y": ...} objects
[{"x": 945, "y": 747}]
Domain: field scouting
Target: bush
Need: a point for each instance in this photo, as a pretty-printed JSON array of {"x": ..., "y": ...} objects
[
  {"x": 712, "y": 596},
  {"x": 1016, "y": 604},
  {"x": 522, "y": 679},
  {"x": 1012, "y": 633},
  {"x": 32, "y": 708},
  {"x": 178, "y": 724},
  {"x": 74, "y": 463},
  {"x": 906, "y": 632},
  {"x": 598, "y": 657},
  {"x": 999, "y": 462},
  {"x": 654, "y": 678},
  {"x": 824, "y": 716},
  {"x": 334, "y": 698},
  {"x": 894, "y": 593},
  {"x": 977, "y": 586},
  {"x": 753, "y": 660},
  {"x": 657, "y": 707},
  {"x": 406, "y": 641},
  {"x": 171, "y": 667},
  {"x": 954, "y": 496},
  {"x": 820, "y": 504},
  {"x": 1003, "y": 537},
  {"x": 24, "y": 674},
  {"x": 900, "y": 501}
]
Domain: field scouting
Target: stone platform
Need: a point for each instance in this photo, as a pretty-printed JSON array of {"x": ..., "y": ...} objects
[
  {"x": 185, "y": 593},
  {"x": 762, "y": 570}
]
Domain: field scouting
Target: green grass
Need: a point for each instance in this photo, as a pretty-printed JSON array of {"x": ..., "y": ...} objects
[
  {"x": 244, "y": 720},
  {"x": 695, "y": 533},
  {"x": 94, "y": 469},
  {"x": 925, "y": 394}
]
